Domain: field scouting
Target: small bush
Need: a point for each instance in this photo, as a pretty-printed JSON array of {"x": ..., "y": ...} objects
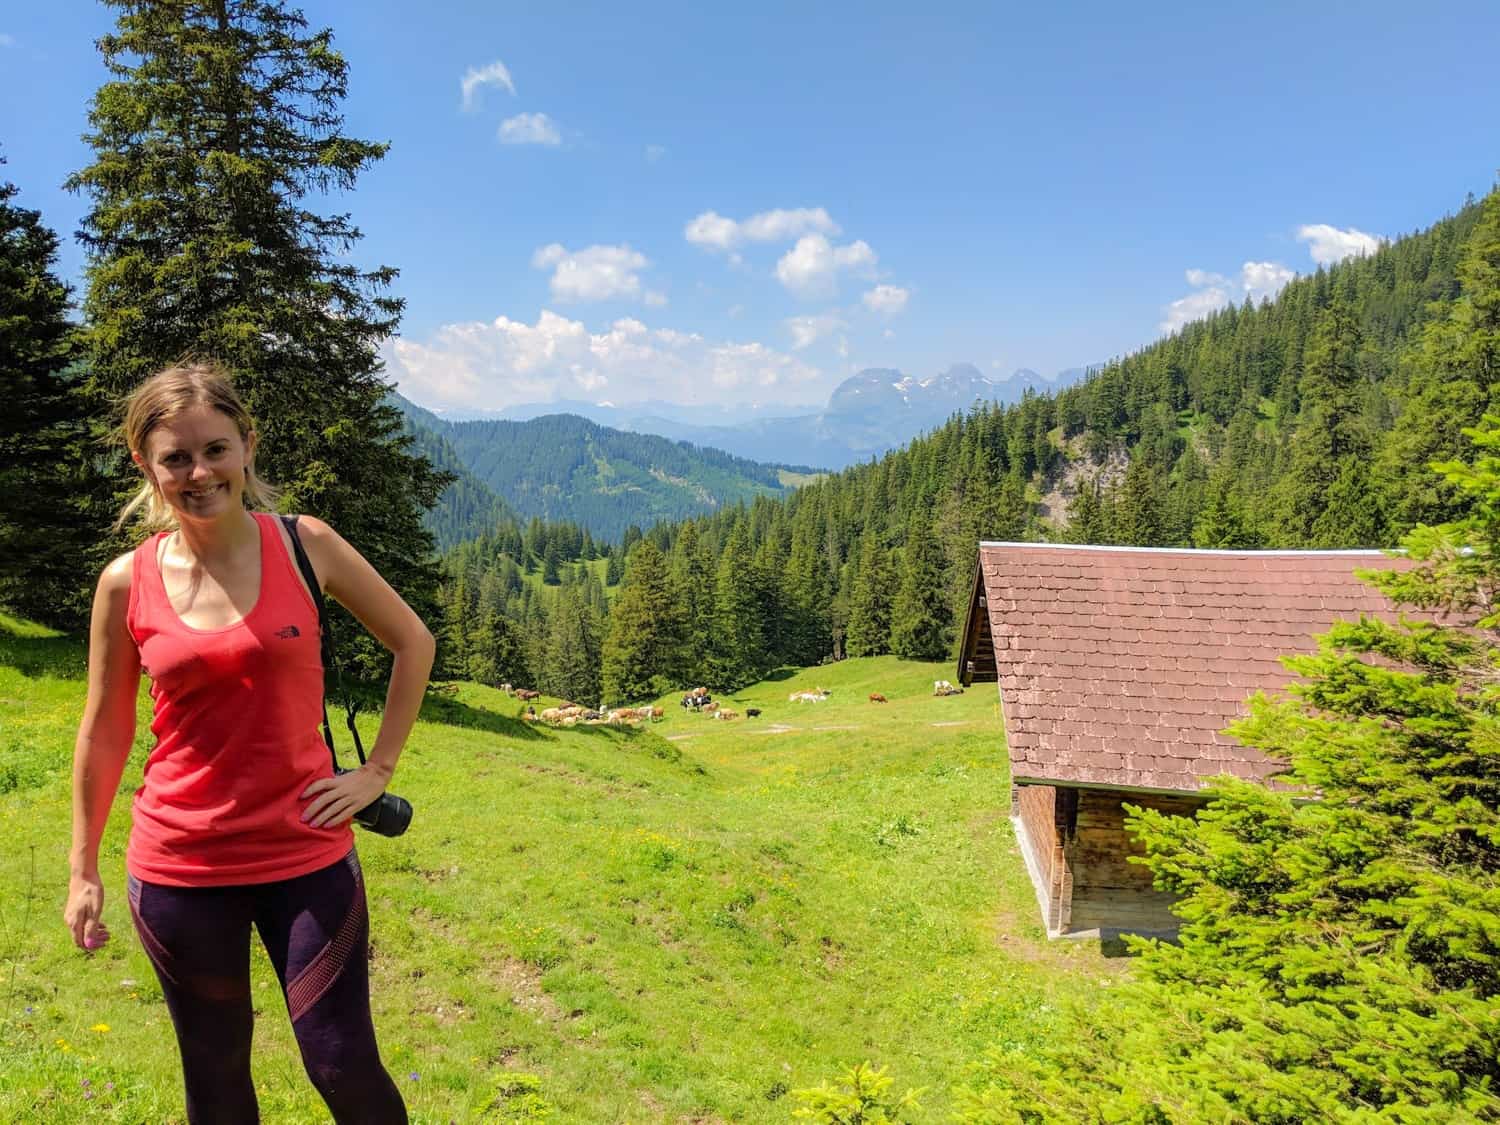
[{"x": 860, "y": 1098}]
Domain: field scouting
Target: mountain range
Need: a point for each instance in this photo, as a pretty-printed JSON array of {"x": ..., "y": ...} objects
[{"x": 868, "y": 414}]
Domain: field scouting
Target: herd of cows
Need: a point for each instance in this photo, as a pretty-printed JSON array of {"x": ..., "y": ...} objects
[{"x": 699, "y": 700}]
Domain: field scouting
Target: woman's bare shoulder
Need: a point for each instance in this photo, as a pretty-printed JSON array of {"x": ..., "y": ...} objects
[
  {"x": 315, "y": 529},
  {"x": 115, "y": 577}
]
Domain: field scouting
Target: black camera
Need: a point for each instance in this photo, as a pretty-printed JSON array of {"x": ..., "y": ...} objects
[{"x": 386, "y": 815}]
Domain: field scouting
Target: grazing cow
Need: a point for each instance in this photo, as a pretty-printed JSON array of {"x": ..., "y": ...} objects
[
  {"x": 816, "y": 696},
  {"x": 526, "y": 694},
  {"x": 752, "y": 712},
  {"x": 943, "y": 687},
  {"x": 726, "y": 713},
  {"x": 876, "y": 697},
  {"x": 657, "y": 714},
  {"x": 507, "y": 689}
]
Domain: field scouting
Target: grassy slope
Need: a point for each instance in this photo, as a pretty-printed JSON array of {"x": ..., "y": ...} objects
[
  {"x": 599, "y": 568},
  {"x": 671, "y": 924}
]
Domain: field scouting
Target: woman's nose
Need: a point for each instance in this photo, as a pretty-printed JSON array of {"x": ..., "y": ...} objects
[{"x": 201, "y": 469}]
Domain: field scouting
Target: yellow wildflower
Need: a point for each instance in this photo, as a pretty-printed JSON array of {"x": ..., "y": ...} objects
[{"x": 100, "y": 1027}]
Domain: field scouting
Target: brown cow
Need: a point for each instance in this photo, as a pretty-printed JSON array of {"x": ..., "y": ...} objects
[{"x": 876, "y": 697}]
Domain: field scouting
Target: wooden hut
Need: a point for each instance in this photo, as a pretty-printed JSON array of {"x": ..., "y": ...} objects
[{"x": 1118, "y": 670}]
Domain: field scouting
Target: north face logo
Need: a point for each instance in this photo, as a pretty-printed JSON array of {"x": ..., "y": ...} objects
[{"x": 289, "y": 632}]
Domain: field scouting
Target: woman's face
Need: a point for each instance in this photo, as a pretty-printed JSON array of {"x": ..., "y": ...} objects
[{"x": 197, "y": 460}]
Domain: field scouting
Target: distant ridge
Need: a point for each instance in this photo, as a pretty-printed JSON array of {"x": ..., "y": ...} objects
[{"x": 562, "y": 467}]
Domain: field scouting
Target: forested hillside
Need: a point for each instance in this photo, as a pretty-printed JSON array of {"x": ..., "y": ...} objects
[
  {"x": 468, "y": 507},
  {"x": 566, "y": 468},
  {"x": 1307, "y": 421}
]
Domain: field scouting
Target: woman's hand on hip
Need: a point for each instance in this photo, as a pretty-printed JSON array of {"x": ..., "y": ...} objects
[
  {"x": 334, "y": 800},
  {"x": 84, "y": 914}
]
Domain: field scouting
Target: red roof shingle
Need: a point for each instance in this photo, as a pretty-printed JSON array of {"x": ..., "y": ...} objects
[{"x": 1121, "y": 667}]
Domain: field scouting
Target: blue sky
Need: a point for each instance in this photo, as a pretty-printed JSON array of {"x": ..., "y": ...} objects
[{"x": 717, "y": 204}]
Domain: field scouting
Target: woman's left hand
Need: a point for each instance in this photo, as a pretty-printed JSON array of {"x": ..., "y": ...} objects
[{"x": 334, "y": 800}]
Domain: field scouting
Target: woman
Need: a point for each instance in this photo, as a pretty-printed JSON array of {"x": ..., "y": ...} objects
[{"x": 240, "y": 819}]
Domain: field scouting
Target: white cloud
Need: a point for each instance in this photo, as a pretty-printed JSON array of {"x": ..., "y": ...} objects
[
  {"x": 655, "y": 153},
  {"x": 495, "y": 74},
  {"x": 1213, "y": 291},
  {"x": 1330, "y": 244},
  {"x": 1264, "y": 279},
  {"x": 888, "y": 300},
  {"x": 596, "y": 273},
  {"x": 808, "y": 330},
  {"x": 810, "y": 269},
  {"x": 1195, "y": 306},
  {"x": 529, "y": 129},
  {"x": 714, "y": 232},
  {"x": 503, "y": 362}
]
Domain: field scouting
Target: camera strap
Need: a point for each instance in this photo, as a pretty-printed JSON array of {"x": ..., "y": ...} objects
[{"x": 325, "y": 632}]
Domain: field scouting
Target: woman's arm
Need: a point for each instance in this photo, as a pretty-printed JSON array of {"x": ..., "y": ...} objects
[
  {"x": 105, "y": 736},
  {"x": 356, "y": 585}
]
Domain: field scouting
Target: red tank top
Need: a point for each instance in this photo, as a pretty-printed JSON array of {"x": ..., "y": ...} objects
[{"x": 235, "y": 714}]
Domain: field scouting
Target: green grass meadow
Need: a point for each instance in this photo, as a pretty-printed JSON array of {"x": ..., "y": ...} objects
[{"x": 678, "y": 923}]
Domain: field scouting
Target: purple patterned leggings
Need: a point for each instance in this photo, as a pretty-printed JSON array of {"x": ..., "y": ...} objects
[{"x": 316, "y": 930}]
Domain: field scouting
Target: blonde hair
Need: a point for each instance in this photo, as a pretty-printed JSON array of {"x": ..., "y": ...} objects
[{"x": 164, "y": 396}]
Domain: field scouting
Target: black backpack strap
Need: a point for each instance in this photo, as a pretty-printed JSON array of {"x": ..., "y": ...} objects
[{"x": 325, "y": 634}]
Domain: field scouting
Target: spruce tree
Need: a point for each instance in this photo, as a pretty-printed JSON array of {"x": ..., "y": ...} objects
[
  {"x": 1087, "y": 519},
  {"x": 50, "y": 500},
  {"x": 493, "y": 648},
  {"x": 1221, "y": 522},
  {"x": 219, "y": 125},
  {"x": 920, "y": 620},
  {"x": 869, "y": 632},
  {"x": 570, "y": 665},
  {"x": 808, "y": 622},
  {"x": 1138, "y": 518},
  {"x": 737, "y": 641},
  {"x": 693, "y": 590},
  {"x": 645, "y": 630},
  {"x": 458, "y": 601}
]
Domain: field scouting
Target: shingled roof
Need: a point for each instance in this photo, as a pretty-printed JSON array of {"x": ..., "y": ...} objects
[{"x": 1120, "y": 666}]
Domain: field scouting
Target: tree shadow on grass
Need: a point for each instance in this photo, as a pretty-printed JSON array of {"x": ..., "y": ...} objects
[
  {"x": 58, "y": 657},
  {"x": 450, "y": 712}
]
